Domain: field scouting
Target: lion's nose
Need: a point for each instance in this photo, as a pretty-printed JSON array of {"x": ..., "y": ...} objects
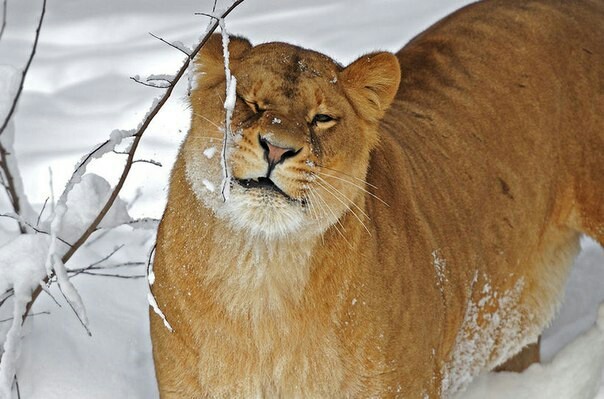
[{"x": 275, "y": 154}]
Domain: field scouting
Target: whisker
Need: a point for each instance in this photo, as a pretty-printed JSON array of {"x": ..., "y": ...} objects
[
  {"x": 337, "y": 219},
  {"x": 343, "y": 196},
  {"x": 346, "y": 205},
  {"x": 357, "y": 186},
  {"x": 315, "y": 203},
  {"x": 311, "y": 192},
  {"x": 213, "y": 123},
  {"x": 311, "y": 207},
  {"x": 346, "y": 174}
]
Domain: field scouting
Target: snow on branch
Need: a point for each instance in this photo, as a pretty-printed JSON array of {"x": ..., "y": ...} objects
[
  {"x": 31, "y": 261},
  {"x": 8, "y": 166},
  {"x": 105, "y": 147},
  {"x": 229, "y": 106},
  {"x": 25, "y": 70}
]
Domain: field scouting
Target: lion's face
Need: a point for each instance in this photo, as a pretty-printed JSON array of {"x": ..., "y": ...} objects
[{"x": 300, "y": 135}]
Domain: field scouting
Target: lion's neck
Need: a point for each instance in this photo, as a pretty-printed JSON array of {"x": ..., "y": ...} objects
[{"x": 252, "y": 277}]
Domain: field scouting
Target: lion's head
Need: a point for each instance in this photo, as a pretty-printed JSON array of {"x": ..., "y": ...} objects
[{"x": 302, "y": 130}]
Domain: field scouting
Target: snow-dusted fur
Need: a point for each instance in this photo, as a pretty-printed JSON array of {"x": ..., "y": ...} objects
[{"x": 415, "y": 235}]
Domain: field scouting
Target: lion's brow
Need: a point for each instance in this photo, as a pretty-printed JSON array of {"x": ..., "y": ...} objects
[{"x": 292, "y": 76}]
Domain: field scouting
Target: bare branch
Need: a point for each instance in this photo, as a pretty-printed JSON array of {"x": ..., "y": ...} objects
[
  {"x": 42, "y": 211},
  {"x": 10, "y": 184},
  {"x": 149, "y": 161},
  {"x": 7, "y": 294},
  {"x": 150, "y": 274},
  {"x": 170, "y": 44},
  {"x": 155, "y": 86},
  {"x": 124, "y": 276},
  {"x": 89, "y": 157},
  {"x": 25, "y": 70},
  {"x": 51, "y": 296},
  {"x": 3, "y": 18},
  {"x": 207, "y": 15},
  {"x": 137, "y": 137},
  {"x": 31, "y": 315},
  {"x": 34, "y": 228},
  {"x": 114, "y": 266},
  {"x": 17, "y": 386},
  {"x": 92, "y": 265}
]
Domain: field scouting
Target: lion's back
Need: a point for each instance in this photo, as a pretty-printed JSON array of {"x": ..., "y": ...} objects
[{"x": 499, "y": 111}]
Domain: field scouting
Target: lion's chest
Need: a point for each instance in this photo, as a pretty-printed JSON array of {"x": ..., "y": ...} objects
[{"x": 291, "y": 358}]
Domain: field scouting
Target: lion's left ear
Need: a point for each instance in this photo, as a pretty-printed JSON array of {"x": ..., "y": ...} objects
[{"x": 371, "y": 82}]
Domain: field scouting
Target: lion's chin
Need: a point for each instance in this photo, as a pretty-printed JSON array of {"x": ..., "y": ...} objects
[{"x": 263, "y": 214}]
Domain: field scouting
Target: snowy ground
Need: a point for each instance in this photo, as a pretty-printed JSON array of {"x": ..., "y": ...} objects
[{"x": 79, "y": 90}]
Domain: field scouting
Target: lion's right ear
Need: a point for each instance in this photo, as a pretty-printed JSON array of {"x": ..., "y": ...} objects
[{"x": 210, "y": 61}]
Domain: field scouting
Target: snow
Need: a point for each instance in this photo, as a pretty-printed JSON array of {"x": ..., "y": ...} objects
[
  {"x": 84, "y": 203},
  {"x": 209, "y": 152},
  {"x": 229, "y": 106},
  {"x": 575, "y": 372},
  {"x": 477, "y": 337},
  {"x": 21, "y": 269},
  {"x": 79, "y": 91}
]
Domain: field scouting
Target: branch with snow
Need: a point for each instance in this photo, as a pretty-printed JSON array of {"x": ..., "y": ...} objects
[
  {"x": 8, "y": 165},
  {"x": 13, "y": 106},
  {"x": 47, "y": 254},
  {"x": 110, "y": 146},
  {"x": 229, "y": 106}
]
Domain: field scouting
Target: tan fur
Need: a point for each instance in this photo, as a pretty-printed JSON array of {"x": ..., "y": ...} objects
[{"x": 430, "y": 226}]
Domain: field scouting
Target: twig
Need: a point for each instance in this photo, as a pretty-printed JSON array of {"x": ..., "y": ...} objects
[
  {"x": 155, "y": 86},
  {"x": 170, "y": 44},
  {"x": 31, "y": 315},
  {"x": 34, "y": 228},
  {"x": 90, "y": 156},
  {"x": 149, "y": 161},
  {"x": 204, "y": 14},
  {"x": 137, "y": 137},
  {"x": 10, "y": 184},
  {"x": 7, "y": 294},
  {"x": 25, "y": 70},
  {"x": 97, "y": 262},
  {"x": 51, "y": 296},
  {"x": 82, "y": 322},
  {"x": 90, "y": 273},
  {"x": 42, "y": 211},
  {"x": 17, "y": 386},
  {"x": 3, "y": 18},
  {"x": 114, "y": 266},
  {"x": 150, "y": 274},
  {"x": 52, "y": 190}
]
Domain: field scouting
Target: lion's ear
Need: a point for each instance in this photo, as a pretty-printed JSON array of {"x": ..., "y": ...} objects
[
  {"x": 210, "y": 61},
  {"x": 371, "y": 82}
]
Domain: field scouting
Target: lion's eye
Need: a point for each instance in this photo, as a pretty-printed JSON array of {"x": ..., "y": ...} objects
[
  {"x": 322, "y": 118},
  {"x": 254, "y": 106}
]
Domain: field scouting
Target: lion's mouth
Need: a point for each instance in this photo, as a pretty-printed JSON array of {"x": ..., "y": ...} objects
[{"x": 263, "y": 183}]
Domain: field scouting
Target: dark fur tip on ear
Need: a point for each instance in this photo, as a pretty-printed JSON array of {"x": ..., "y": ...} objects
[
  {"x": 213, "y": 51},
  {"x": 371, "y": 82},
  {"x": 210, "y": 61},
  {"x": 238, "y": 46}
]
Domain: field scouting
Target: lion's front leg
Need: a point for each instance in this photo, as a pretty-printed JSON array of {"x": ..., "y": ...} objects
[{"x": 176, "y": 365}]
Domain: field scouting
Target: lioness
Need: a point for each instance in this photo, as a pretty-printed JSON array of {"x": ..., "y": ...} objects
[{"x": 383, "y": 236}]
